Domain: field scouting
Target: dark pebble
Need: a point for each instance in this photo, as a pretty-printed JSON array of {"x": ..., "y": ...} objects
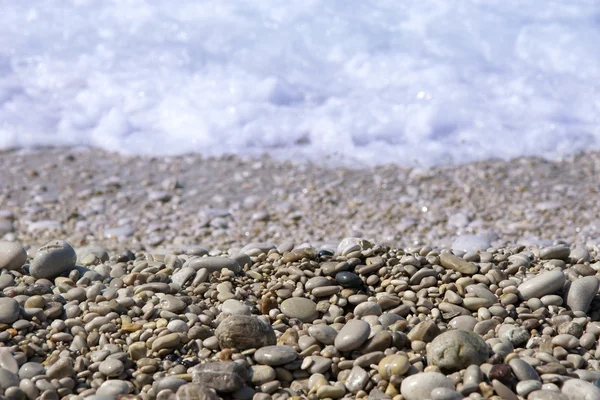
[
  {"x": 501, "y": 372},
  {"x": 348, "y": 279}
]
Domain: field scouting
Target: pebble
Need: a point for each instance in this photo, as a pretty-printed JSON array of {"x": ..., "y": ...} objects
[
  {"x": 244, "y": 332},
  {"x": 299, "y": 307},
  {"x": 577, "y": 389},
  {"x": 456, "y": 349},
  {"x": 12, "y": 255},
  {"x": 52, "y": 259},
  {"x": 111, "y": 367},
  {"x": 582, "y": 292},
  {"x": 348, "y": 279},
  {"x": 9, "y": 310},
  {"x": 323, "y": 333},
  {"x": 393, "y": 365},
  {"x": 546, "y": 283},
  {"x": 168, "y": 341},
  {"x": 113, "y": 387},
  {"x": 450, "y": 261},
  {"x": 194, "y": 391},
  {"x": 352, "y": 335},
  {"x": 221, "y": 376},
  {"x": 275, "y": 355},
  {"x": 420, "y": 386}
]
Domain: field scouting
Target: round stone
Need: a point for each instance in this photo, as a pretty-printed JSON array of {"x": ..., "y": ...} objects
[
  {"x": 456, "y": 349},
  {"x": 419, "y": 386},
  {"x": 111, "y": 367},
  {"x": 323, "y": 333},
  {"x": 396, "y": 364},
  {"x": 177, "y": 326},
  {"x": 113, "y": 387},
  {"x": 582, "y": 292},
  {"x": 235, "y": 307},
  {"x": 275, "y": 355},
  {"x": 300, "y": 307},
  {"x": 348, "y": 279},
  {"x": 580, "y": 390},
  {"x": 352, "y": 335},
  {"x": 546, "y": 283},
  {"x": 9, "y": 310},
  {"x": 53, "y": 259},
  {"x": 463, "y": 322},
  {"x": 244, "y": 332},
  {"x": 12, "y": 255},
  {"x": 31, "y": 369}
]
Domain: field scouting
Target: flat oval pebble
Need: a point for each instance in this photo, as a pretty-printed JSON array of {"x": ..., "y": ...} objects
[
  {"x": 456, "y": 349},
  {"x": 419, "y": 386},
  {"x": 546, "y": 283},
  {"x": 450, "y": 261},
  {"x": 300, "y": 307},
  {"x": 352, "y": 335},
  {"x": 168, "y": 341},
  {"x": 275, "y": 355},
  {"x": 113, "y": 387},
  {"x": 582, "y": 292},
  {"x": 348, "y": 279},
  {"x": 7, "y": 361},
  {"x": 235, "y": 307},
  {"x": 12, "y": 255}
]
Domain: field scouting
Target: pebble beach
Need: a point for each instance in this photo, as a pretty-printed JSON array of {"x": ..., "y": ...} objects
[{"x": 180, "y": 278}]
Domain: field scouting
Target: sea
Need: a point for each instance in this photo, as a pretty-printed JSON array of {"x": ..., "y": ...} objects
[{"x": 354, "y": 82}]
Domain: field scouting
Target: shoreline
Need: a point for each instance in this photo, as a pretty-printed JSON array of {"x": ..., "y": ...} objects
[{"x": 186, "y": 278}]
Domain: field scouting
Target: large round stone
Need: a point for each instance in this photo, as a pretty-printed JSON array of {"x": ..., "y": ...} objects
[
  {"x": 352, "y": 335},
  {"x": 456, "y": 349},
  {"x": 53, "y": 259},
  {"x": 419, "y": 386},
  {"x": 9, "y": 310},
  {"x": 299, "y": 307},
  {"x": 244, "y": 332},
  {"x": 12, "y": 255}
]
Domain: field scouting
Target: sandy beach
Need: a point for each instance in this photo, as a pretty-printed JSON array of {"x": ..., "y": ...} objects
[{"x": 197, "y": 278}]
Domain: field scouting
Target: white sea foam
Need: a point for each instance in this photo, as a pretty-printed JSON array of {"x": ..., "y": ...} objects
[{"x": 408, "y": 82}]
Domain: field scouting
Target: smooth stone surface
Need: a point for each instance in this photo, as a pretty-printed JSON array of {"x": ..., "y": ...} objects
[
  {"x": 244, "y": 332},
  {"x": 424, "y": 331},
  {"x": 463, "y": 322},
  {"x": 113, "y": 387},
  {"x": 522, "y": 370},
  {"x": 168, "y": 341},
  {"x": 111, "y": 367},
  {"x": 275, "y": 355},
  {"x": 12, "y": 255},
  {"x": 352, "y": 335},
  {"x": 323, "y": 333},
  {"x": 7, "y": 361},
  {"x": 456, "y": 349},
  {"x": 559, "y": 252},
  {"x": 577, "y": 389},
  {"x": 299, "y": 307},
  {"x": 62, "y": 368},
  {"x": 8, "y": 379},
  {"x": 356, "y": 380},
  {"x": 450, "y": 261},
  {"x": 546, "y": 283},
  {"x": 396, "y": 364},
  {"x": 467, "y": 243},
  {"x": 419, "y": 386},
  {"x": 221, "y": 376},
  {"x": 31, "y": 369},
  {"x": 194, "y": 391},
  {"x": 52, "y": 259},
  {"x": 528, "y": 386},
  {"x": 235, "y": 307},
  {"x": 443, "y": 393},
  {"x": 9, "y": 310},
  {"x": 212, "y": 264},
  {"x": 582, "y": 292},
  {"x": 348, "y": 279}
]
